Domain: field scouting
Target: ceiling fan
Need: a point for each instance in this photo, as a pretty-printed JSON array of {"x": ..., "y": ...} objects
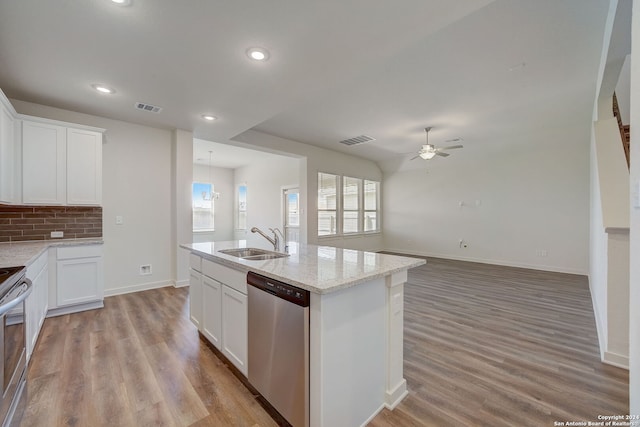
[{"x": 429, "y": 151}]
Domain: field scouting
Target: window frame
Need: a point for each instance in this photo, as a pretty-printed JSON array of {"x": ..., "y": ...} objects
[
  {"x": 213, "y": 209},
  {"x": 337, "y": 210},
  {"x": 239, "y": 209},
  {"x": 340, "y": 211}
]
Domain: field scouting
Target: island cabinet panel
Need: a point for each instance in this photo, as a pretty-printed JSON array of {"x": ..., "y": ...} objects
[
  {"x": 218, "y": 299},
  {"x": 232, "y": 278},
  {"x": 234, "y": 327},
  {"x": 195, "y": 298},
  {"x": 212, "y": 310},
  {"x": 348, "y": 355}
]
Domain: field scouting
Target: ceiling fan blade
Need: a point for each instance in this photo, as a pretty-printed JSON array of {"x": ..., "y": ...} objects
[
  {"x": 413, "y": 158},
  {"x": 439, "y": 153},
  {"x": 451, "y": 147}
]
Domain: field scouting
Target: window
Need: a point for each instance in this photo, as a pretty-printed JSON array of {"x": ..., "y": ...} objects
[
  {"x": 351, "y": 204},
  {"x": 293, "y": 210},
  {"x": 202, "y": 199},
  {"x": 241, "y": 220},
  {"x": 371, "y": 203},
  {"x": 327, "y": 204},
  {"x": 358, "y": 210}
]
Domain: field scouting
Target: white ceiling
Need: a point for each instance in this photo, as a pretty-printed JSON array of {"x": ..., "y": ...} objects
[
  {"x": 338, "y": 68},
  {"x": 226, "y": 155}
]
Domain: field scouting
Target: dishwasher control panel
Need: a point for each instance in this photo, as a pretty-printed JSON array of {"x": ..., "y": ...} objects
[{"x": 283, "y": 290}]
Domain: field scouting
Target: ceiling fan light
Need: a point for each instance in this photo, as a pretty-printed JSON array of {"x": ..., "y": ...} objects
[{"x": 428, "y": 155}]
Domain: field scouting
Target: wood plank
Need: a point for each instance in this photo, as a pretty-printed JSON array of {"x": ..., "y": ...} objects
[{"x": 484, "y": 345}]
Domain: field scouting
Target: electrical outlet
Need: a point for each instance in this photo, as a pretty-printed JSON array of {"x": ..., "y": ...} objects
[
  {"x": 57, "y": 234},
  {"x": 145, "y": 269}
]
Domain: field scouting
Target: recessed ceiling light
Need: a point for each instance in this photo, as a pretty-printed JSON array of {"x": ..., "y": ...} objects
[
  {"x": 103, "y": 89},
  {"x": 122, "y": 2},
  {"x": 209, "y": 117},
  {"x": 258, "y": 54}
]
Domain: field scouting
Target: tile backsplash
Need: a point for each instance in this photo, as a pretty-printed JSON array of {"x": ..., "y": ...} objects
[{"x": 22, "y": 223}]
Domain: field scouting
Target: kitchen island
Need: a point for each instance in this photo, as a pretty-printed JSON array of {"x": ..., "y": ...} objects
[{"x": 355, "y": 326}]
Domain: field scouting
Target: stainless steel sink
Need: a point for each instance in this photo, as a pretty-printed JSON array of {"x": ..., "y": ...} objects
[{"x": 253, "y": 254}]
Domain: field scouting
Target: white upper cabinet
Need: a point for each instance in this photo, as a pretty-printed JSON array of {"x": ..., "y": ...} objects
[
  {"x": 7, "y": 153},
  {"x": 84, "y": 167},
  {"x": 61, "y": 165},
  {"x": 43, "y": 163}
]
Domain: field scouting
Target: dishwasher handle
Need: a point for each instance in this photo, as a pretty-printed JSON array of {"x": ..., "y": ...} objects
[{"x": 279, "y": 289}]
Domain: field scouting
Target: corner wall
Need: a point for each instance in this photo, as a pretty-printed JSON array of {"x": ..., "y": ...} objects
[
  {"x": 634, "y": 297},
  {"x": 137, "y": 185},
  {"x": 524, "y": 205},
  {"x": 314, "y": 160}
]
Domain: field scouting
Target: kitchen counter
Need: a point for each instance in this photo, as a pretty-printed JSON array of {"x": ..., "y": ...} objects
[
  {"x": 24, "y": 253},
  {"x": 318, "y": 269},
  {"x": 356, "y": 312}
]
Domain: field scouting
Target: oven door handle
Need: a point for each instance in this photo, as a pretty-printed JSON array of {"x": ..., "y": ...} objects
[{"x": 16, "y": 295}]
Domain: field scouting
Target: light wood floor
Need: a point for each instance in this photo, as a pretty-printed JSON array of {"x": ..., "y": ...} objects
[
  {"x": 484, "y": 345},
  {"x": 498, "y": 346}
]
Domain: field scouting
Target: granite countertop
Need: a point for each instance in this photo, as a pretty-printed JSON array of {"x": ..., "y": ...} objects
[
  {"x": 24, "y": 253},
  {"x": 319, "y": 269}
]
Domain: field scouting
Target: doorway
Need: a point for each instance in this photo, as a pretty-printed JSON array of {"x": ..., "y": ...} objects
[{"x": 291, "y": 210}]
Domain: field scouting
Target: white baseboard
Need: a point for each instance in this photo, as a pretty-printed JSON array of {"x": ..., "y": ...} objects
[
  {"x": 181, "y": 283},
  {"x": 137, "y": 288},
  {"x": 617, "y": 360},
  {"x": 489, "y": 261},
  {"x": 394, "y": 397},
  {"x": 60, "y": 311},
  {"x": 375, "y": 414},
  {"x": 600, "y": 330}
]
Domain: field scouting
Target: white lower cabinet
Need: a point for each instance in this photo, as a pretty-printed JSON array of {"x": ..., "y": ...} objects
[
  {"x": 195, "y": 298},
  {"x": 234, "y": 327},
  {"x": 219, "y": 300},
  {"x": 79, "y": 278},
  {"x": 37, "y": 304},
  {"x": 212, "y": 310}
]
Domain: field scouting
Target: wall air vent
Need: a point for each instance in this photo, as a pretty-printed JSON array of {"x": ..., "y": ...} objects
[
  {"x": 148, "y": 107},
  {"x": 357, "y": 140}
]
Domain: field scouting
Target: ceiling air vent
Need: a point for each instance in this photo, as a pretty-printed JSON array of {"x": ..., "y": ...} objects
[
  {"x": 357, "y": 140},
  {"x": 148, "y": 107}
]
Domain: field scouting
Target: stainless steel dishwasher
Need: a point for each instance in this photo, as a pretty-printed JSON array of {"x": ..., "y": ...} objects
[{"x": 279, "y": 346}]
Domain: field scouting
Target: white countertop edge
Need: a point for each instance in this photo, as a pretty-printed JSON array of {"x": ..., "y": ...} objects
[
  {"x": 32, "y": 249},
  {"x": 255, "y": 266}
]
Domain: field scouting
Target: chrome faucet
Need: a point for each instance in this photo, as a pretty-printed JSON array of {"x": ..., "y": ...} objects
[{"x": 275, "y": 241}]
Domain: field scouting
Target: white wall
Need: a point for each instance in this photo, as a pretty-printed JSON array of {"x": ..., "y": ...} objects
[
  {"x": 634, "y": 300},
  {"x": 609, "y": 251},
  {"x": 531, "y": 196},
  {"x": 137, "y": 184},
  {"x": 181, "y": 176},
  {"x": 222, "y": 179},
  {"x": 265, "y": 183},
  {"x": 598, "y": 263},
  {"x": 623, "y": 90},
  {"x": 316, "y": 160}
]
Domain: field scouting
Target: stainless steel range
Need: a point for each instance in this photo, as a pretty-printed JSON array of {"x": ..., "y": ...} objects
[{"x": 14, "y": 289}]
